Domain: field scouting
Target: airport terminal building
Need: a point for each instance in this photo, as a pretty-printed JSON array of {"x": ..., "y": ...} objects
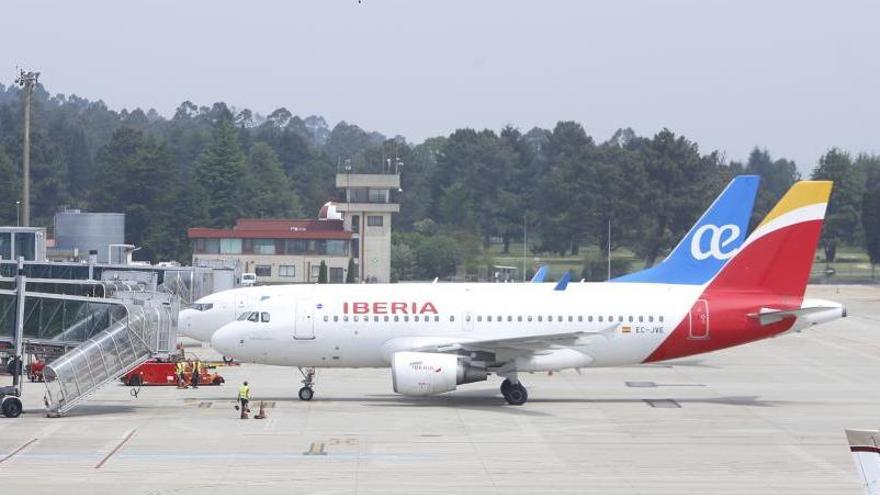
[
  {"x": 284, "y": 251},
  {"x": 277, "y": 250}
]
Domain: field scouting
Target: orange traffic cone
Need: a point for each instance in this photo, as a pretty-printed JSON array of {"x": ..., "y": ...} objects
[{"x": 262, "y": 413}]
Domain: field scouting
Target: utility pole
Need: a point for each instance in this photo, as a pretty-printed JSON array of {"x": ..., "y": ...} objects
[
  {"x": 28, "y": 81},
  {"x": 609, "y": 248},
  {"x": 525, "y": 246}
]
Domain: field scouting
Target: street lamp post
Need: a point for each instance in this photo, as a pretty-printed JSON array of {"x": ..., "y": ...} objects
[{"x": 18, "y": 213}]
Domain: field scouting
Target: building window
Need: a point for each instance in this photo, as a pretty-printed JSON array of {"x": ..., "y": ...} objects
[
  {"x": 263, "y": 270},
  {"x": 355, "y": 223},
  {"x": 355, "y": 248},
  {"x": 337, "y": 248},
  {"x": 375, "y": 220},
  {"x": 230, "y": 246},
  {"x": 378, "y": 195},
  {"x": 6, "y": 246},
  {"x": 287, "y": 271},
  {"x": 264, "y": 246},
  {"x": 336, "y": 276},
  {"x": 316, "y": 271}
]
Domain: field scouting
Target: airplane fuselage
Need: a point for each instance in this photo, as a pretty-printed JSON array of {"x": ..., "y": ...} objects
[{"x": 624, "y": 323}]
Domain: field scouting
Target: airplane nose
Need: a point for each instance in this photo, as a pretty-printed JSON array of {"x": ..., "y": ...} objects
[
  {"x": 185, "y": 322},
  {"x": 224, "y": 341}
]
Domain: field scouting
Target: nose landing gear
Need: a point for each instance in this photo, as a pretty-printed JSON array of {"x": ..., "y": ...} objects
[
  {"x": 307, "y": 391},
  {"x": 514, "y": 392}
]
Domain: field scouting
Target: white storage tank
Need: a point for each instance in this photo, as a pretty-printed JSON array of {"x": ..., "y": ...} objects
[{"x": 84, "y": 231}]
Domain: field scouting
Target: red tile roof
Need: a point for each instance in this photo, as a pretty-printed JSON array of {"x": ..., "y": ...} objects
[{"x": 202, "y": 233}]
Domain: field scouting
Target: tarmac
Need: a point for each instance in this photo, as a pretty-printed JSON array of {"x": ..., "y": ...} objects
[{"x": 765, "y": 418}]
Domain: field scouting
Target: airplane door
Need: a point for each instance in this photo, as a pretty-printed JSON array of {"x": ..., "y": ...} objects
[
  {"x": 699, "y": 320},
  {"x": 467, "y": 321},
  {"x": 304, "y": 324}
]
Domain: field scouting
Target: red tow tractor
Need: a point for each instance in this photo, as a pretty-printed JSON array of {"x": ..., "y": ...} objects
[{"x": 156, "y": 372}]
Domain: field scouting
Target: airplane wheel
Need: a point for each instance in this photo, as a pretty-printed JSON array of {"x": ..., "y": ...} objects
[
  {"x": 228, "y": 360},
  {"x": 135, "y": 381},
  {"x": 11, "y": 407},
  {"x": 505, "y": 386},
  {"x": 306, "y": 393},
  {"x": 516, "y": 395}
]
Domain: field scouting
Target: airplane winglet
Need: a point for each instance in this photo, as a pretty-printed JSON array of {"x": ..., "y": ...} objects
[
  {"x": 540, "y": 274},
  {"x": 563, "y": 282}
]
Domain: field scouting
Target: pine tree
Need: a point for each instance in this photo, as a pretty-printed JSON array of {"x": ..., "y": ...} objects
[
  {"x": 322, "y": 273},
  {"x": 221, "y": 174}
]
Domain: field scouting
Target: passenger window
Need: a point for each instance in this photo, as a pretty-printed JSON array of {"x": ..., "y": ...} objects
[
  {"x": 570, "y": 318},
  {"x": 650, "y": 319},
  {"x": 660, "y": 319},
  {"x": 436, "y": 319},
  {"x": 356, "y": 318},
  {"x": 451, "y": 318},
  {"x": 489, "y": 318},
  {"x": 326, "y": 318},
  {"x": 641, "y": 319},
  {"x": 345, "y": 318},
  {"x": 630, "y": 319},
  {"x": 519, "y": 318},
  {"x": 620, "y": 318},
  {"x": 406, "y": 318},
  {"x": 416, "y": 318},
  {"x": 539, "y": 317},
  {"x": 529, "y": 318},
  {"x": 560, "y": 319},
  {"x": 590, "y": 318},
  {"x": 467, "y": 318},
  {"x": 600, "y": 319},
  {"x": 479, "y": 318},
  {"x": 386, "y": 319},
  {"x": 509, "y": 318},
  {"x": 376, "y": 319},
  {"x": 335, "y": 318},
  {"x": 396, "y": 318}
]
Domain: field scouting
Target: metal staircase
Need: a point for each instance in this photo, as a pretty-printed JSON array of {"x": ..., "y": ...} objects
[{"x": 147, "y": 330}]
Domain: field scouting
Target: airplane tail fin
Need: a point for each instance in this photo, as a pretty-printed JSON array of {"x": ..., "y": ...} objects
[
  {"x": 865, "y": 448},
  {"x": 778, "y": 256},
  {"x": 709, "y": 244}
]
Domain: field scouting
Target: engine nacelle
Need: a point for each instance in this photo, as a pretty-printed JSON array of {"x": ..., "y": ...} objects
[{"x": 429, "y": 373}]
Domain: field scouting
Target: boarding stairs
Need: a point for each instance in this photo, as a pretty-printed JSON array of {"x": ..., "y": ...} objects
[{"x": 147, "y": 329}]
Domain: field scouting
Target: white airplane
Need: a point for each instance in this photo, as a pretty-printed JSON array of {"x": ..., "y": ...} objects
[
  {"x": 731, "y": 210},
  {"x": 865, "y": 448},
  {"x": 435, "y": 337}
]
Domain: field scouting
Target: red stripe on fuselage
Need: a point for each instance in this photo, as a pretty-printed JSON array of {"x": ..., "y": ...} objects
[{"x": 771, "y": 272}]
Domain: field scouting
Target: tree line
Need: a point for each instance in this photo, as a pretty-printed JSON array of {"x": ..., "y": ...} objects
[{"x": 207, "y": 166}]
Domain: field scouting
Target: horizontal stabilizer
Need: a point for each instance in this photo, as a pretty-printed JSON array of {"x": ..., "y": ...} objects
[{"x": 768, "y": 316}]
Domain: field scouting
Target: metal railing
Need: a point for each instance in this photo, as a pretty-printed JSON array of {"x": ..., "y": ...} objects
[{"x": 146, "y": 331}]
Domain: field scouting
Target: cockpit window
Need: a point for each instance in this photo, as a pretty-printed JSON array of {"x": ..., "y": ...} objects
[
  {"x": 253, "y": 316},
  {"x": 243, "y": 316},
  {"x": 264, "y": 317},
  {"x": 202, "y": 306}
]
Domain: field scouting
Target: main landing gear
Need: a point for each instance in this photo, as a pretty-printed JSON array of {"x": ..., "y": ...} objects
[
  {"x": 514, "y": 392},
  {"x": 308, "y": 391}
]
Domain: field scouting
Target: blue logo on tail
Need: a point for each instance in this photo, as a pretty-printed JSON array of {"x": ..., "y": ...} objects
[{"x": 713, "y": 240}]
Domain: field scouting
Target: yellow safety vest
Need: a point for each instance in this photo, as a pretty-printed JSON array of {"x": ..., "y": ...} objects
[
  {"x": 244, "y": 392},
  {"x": 180, "y": 368}
]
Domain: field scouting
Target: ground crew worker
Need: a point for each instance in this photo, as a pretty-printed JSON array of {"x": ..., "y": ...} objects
[
  {"x": 244, "y": 395},
  {"x": 181, "y": 374},
  {"x": 197, "y": 370}
]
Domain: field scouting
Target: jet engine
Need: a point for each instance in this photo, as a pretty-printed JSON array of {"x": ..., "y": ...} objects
[{"x": 429, "y": 373}]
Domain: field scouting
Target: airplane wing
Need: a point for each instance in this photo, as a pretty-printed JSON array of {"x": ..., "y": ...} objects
[
  {"x": 519, "y": 344},
  {"x": 864, "y": 447}
]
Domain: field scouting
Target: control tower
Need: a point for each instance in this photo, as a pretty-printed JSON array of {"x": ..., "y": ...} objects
[{"x": 367, "y": 209}]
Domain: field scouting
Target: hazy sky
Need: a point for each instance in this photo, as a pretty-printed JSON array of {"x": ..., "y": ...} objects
[{"x": 796, "y": 77}]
